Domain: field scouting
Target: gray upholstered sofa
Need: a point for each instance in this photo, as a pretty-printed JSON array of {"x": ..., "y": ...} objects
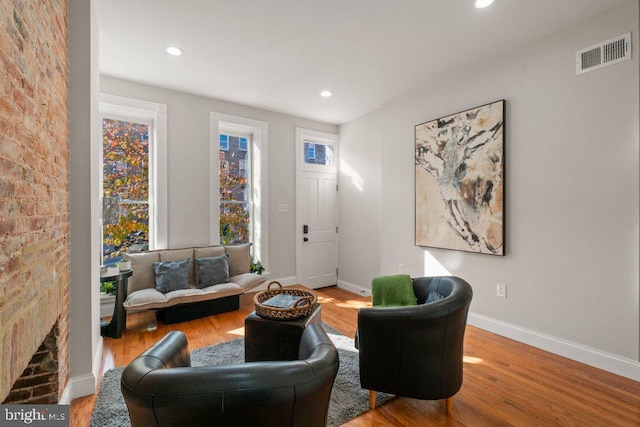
[{"x": 193, "y": 302}]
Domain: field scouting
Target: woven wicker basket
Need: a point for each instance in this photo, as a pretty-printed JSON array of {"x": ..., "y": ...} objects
[{"x": 291, "y": 313}]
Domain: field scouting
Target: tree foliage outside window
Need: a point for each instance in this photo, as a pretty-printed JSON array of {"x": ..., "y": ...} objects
[
  {"x": 234, "y": 190},
  {"x": 126, "y": 176}
]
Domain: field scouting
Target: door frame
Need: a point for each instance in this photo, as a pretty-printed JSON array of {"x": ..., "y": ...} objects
[{"x": 323, "y": 137}]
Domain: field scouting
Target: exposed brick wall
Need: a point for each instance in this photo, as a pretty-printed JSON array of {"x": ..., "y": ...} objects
[
  {"x": 34, "y": 183},
  {"x": 39, "y": 381}
]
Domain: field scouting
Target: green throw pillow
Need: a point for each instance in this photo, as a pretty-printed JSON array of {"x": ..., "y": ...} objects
[{"x": 393, "y": 291}]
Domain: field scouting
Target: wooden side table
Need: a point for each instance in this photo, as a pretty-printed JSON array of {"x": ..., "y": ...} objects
[
  {"x": 267, "y": 339},
  {"x": 118, "y": 322}
]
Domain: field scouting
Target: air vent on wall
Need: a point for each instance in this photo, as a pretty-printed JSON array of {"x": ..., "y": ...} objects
[{"x": 602, "y": 54}]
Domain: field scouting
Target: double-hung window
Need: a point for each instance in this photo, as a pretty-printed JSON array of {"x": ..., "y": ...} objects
[
  {"x": 235, "y": 189},
  {"x": 125, "y": 165},
  {"x": 239, "y": 182},
  {"x": 133, "y": 180}
]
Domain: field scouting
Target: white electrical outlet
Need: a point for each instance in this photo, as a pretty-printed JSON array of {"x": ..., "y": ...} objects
[
  {"x": 401, "y": 268},
  {"x": 501, "y": 290}
]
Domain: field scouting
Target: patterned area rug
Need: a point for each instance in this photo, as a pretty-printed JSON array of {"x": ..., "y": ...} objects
[{"x": 348, "y": 399}]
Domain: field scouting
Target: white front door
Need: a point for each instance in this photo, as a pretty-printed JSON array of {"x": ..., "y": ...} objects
[
  {"x": 319, "y": 242},
  {"x": 316, "y": 206}
]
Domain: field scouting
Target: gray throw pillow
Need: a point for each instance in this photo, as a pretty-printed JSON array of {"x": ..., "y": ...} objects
[
  {"x": 212, "y": 271},
  {"x": 171, "y": 275},
  {"x": 434, "y": 296}
]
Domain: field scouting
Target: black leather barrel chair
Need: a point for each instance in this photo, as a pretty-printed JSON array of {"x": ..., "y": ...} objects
[
  {"x": 160, "y": 387},
  {"x": 416, "y": 351}
]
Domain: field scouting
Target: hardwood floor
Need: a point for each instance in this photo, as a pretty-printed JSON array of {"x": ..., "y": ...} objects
[{"x": 506, "y": 383}]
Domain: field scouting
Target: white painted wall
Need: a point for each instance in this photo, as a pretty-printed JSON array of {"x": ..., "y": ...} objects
[
  {"x": 572, "y": 185},
  {"x": 359, "y": 203},
  {"x": 84, "y": 134},
  {"x": 188, "y": 122}
]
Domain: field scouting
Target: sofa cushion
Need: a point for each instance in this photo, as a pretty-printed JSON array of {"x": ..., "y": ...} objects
[
  {"x": 186, "y": 296},
  {"x": 239, "y": 261},
  {"x": 179, "y": 255},
  {"x": 182, "y": 293},
  {"x": 212, "y": 271},
  {"x": 152, "y": 299},
  {"x": 143, "y": 299},
  {"x": 218, "y": 291},
  {"x": 172, "y": 275},
  {"x": 143, "y": 275},
  {"x": 208, "y": 251},
  {"x": 248, "y": 280}
]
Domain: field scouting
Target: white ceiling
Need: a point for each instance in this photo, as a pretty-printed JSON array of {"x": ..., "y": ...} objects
[{"x": 279, "y": 54}]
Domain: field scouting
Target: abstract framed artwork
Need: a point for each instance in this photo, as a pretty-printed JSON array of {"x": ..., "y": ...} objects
[{"x": 459, "y": 161}]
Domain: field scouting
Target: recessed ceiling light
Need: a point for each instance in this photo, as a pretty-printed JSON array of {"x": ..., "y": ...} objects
[
  {"x": 325, "y": 94},
  {"x": 175, "y": 51},
  {"x": 483, "y": 3}
]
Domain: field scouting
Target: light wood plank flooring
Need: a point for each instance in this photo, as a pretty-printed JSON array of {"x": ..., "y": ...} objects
[{"x": 506, "y": 383}]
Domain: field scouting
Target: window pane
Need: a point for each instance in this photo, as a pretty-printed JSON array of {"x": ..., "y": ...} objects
[
  {"x": 131, "y": 234},
  {"x": 224, "y": 142},
  {"x": 318, "y": 154},
  {"x": 126, "y": 159},
  {"x": 234, "y": 190},
  {"x": 126, "y": 176},
  {"x": 234, "y": 223},
  {"x": 234, "y": 178}
]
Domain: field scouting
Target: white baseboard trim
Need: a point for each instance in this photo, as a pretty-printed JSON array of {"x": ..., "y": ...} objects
[
  {"x": 86, "y": 385},
  {"x": 83, "y": 385},
  {"x": 599, "y": 359},
  {"x": 365, "y": 292}
]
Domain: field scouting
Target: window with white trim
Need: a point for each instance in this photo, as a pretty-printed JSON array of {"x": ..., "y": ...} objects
[
  {"x": 125, "y": 175},
  {"x": 133, "y": 176},
  {"x": 239, "y": 182}
]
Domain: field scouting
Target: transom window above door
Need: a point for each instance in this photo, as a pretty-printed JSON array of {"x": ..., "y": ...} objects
[{"x": 318, "y": 153}]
